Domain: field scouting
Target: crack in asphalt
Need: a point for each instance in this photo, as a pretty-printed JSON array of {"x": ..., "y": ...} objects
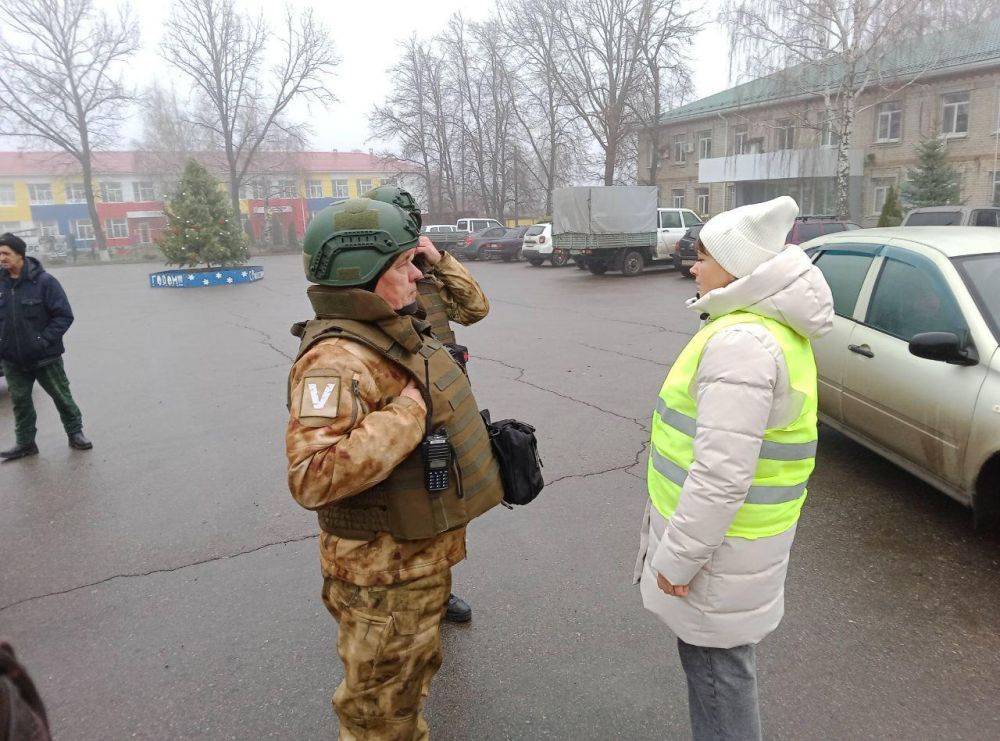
[
  {"x": 152, "y": 572},
  {"x": 624, "y": 354},
  {"x": 267, "y": 340},
  {"x": 520, "y": 379},
  {"x": 660, "y": 327}
]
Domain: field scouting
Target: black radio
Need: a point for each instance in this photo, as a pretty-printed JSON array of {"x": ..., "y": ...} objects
[{"x": 436, "y": 451}]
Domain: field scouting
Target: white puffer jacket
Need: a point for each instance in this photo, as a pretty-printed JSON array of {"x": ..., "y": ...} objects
[{"x": 736, "y": 585}]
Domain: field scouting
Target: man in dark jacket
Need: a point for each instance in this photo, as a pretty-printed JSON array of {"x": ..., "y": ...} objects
[{"x": 34, "y": 316}]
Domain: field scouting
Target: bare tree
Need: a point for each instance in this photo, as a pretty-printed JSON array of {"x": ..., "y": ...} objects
[
  {"x": 241, "y": 102},
  {"x": 548, "y": 124},
  {"x": 169, "y": 136},
  {"x": 58, "y": 82},
  {"x": 834, "y": 49},
  {"x": 600, "y": 67},
  {"x": 663, "y": 41}
]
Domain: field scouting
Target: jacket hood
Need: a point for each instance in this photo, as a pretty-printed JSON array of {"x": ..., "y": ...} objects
[
  {"x": 31, "y": 270},
  {"x": 787, "y": 288}
]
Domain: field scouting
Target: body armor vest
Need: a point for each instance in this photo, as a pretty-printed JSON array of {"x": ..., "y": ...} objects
[
  {"x": 434, "y": 307},
  {"x": 401, "y": 505}
]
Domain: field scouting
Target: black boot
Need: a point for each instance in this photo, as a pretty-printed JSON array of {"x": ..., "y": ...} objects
[
  {"x": 458, "y": 610},
  {"x": 78, "y": 442},
  {"x": 19, "y": 451}
]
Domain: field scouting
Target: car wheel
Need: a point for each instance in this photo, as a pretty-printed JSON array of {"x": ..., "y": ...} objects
[
  {"x": 559, "y": 258},
  {"x": 597, "y": 268},
  {"x": 633, "y": 263},
  {"x": 480, "y": 255},
  {"x": 536, "y": 263},
  {"x": 686, "y": 272}
]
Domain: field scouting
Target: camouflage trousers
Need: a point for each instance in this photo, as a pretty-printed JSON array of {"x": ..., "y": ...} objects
[{"x": 390, "y": 644}]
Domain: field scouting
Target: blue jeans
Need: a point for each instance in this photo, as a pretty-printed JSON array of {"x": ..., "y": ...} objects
[{"x": 722, "y": 692}]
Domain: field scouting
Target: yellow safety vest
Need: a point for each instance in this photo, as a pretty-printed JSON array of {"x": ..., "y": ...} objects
[{"x": 787, "y": 455}]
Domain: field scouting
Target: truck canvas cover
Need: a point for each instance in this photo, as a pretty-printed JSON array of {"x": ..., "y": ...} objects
[{"x": 605, "y": 209}]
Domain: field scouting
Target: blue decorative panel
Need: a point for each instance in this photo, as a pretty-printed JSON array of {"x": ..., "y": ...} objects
[{"x": 203, "y": 278}]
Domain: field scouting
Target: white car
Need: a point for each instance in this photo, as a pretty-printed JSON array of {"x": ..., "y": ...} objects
[
  {"x": 537, "y": 247},
  {"x": 672, "y": 224},
  {"x": 911, "y": 369},
  {"x": 439, "y": 229}
]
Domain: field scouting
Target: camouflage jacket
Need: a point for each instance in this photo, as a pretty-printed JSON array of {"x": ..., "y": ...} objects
[
  {"x": 364, "y": 430},
  {"x": 464, "y": 300}
]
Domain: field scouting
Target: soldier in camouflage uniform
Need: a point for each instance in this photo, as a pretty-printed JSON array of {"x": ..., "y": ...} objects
[
  {"x": 448, "y": 293},
  {"x": 369, "y": 382}
]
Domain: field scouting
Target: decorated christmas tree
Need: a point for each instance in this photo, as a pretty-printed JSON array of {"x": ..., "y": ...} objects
[
  {"x": 892, "y": 214},
  {"x": 200, "y": 225},
  {"x": 933, "y": 182}
]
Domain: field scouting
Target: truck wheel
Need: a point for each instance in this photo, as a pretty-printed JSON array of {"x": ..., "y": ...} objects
[
  {"x": 597, "y": 268},
  {"x": 633, "y": 263},
  {"x": 581, "y": 264},
  {"x": 536, "y": 263},
  {"x": 559, "y": 258}
]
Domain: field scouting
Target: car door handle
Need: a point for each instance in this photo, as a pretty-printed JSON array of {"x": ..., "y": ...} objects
[{"x": 862, "y": 350}]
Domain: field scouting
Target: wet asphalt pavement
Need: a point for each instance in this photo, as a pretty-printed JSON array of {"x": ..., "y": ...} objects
[{"x": 165, "y": 585}]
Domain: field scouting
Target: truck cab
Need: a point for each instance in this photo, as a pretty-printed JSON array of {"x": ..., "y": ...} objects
[{"x": 671, "y": 225}]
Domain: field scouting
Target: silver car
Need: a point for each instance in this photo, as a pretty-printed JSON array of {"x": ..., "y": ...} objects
[{"x": 912, "y": 367}]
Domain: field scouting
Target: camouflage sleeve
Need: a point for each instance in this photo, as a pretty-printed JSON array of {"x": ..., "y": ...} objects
[
  {"x": 465, "y": 301},
  {"x": 344, "y": 434}
]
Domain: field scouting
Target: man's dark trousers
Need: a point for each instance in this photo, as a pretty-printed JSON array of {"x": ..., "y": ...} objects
[{"x": 51, "y": 377}]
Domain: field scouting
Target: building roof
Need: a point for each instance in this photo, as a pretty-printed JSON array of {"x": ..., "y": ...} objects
[
  {"x": 932, "y": 55},
  {"x": 32, "y": 164}
]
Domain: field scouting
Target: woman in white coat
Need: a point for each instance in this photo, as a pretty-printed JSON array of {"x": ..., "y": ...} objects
[{"x": 733, "y": 444}]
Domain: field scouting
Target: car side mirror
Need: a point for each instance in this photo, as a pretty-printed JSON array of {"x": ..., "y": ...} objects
[{"x": 943, "y": 346}]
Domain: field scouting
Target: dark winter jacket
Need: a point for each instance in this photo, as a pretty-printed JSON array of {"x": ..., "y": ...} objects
[{"x": 34, "y": 316}]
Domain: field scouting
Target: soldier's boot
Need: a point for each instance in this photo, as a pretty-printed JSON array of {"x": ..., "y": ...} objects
[
  {"x": 78, "y": 441},
  {"x": 19, "y": 451},
  {"x": 458, "y": 610}
]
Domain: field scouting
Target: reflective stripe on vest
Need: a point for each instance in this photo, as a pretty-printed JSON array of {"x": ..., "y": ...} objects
[{"x": 787, "y": 454}]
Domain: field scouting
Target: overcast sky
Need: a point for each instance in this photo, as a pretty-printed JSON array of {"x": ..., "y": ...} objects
[{"x": 365, "y": 35}]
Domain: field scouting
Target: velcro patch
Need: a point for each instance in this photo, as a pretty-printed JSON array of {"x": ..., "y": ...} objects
[{"x": 320, "y": 397}]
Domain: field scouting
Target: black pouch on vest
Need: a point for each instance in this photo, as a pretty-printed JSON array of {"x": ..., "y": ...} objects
[
  {"x": 460, "y": 353},
  {"x": 516, "y": 450}
]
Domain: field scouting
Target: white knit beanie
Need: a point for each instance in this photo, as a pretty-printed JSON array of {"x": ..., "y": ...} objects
[{"x": 746, "y": 237}]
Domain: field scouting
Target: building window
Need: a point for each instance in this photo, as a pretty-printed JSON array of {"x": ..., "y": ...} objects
[
  {"x": 889, "y": 125},
  {"x": 955, "y": 121},
  {"x": 144, "y": 191},
  {"x": 143, "y": 232},
  {"x": 111, "y": 192},
  {"x": 7, "y": 195},
  {"x": 251, "y": 191},
  {"x": 830, "y": 137},
  {"x": 702, "y": 199},
  {"x": 314, "y": 189},
  {"x": 364, "y": 186},
  {"x": 996, "y": 188},
  {"x": 287, "y": 189},
  {"x": 116, "y": 228},
  {"x": 40, "y": 193},
  {"x": 705, "y": 145},
  {"x": 678, "y": 198},
  {"x": 76, "y": 193},
  {"x": 340, "y": 188},
  {"x": 786, "y": 135},
  {"x": 741, "y": 140},
  {"x": 680, "y": 149},
  {"x": 48, "y": 229},
  {"x": 82, "y": 229},
  {"x": 880, "y": 190}
]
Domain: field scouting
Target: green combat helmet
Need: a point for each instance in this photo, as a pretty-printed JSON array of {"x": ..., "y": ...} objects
[
  {"x": 398, "y": 197},
  {"x": 350, "y": 243}
]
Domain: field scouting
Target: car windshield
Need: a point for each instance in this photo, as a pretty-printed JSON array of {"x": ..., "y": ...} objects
[
  {"x": 533, "y": 230},
  {"x": 935, "y": 218},
  {"x": 982, "y": 275}
]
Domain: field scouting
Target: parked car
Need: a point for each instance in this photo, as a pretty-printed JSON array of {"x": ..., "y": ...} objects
[
  {"x": 685, "y": 254},
  {"x": 448, "y": 239},
  {"x": 538, "y": 247},
  {"x": 810, "y": 227},
  {"x": 495, "y": 241},
  {"x": 952, "y": 216},
  {"x": 439, "y": 229},
  {"x": 911, "y": 369}
]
